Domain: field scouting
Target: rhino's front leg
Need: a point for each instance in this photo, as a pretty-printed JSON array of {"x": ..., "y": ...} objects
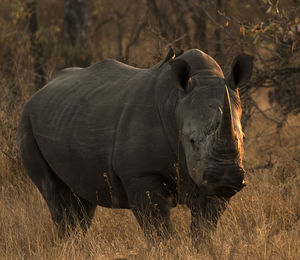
[
  {"x": 151, "y": 203},
  {"x": 205, "y": 214}
]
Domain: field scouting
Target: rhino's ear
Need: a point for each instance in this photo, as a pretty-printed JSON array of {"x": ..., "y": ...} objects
[
  {"x": 181, "y": 71},
  {"x": 241, "y": 71}
]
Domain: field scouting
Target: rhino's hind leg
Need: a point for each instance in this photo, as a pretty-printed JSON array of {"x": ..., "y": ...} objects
[
  {"x": 66, "y": 208},
  {"x": 151, "y": 206}
]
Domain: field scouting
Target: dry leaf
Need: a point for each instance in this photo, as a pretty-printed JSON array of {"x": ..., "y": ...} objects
[{"x": 242, "y": 30}]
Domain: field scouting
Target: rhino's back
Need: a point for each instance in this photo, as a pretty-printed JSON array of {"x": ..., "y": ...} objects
[{"x": 74, "y": 120}]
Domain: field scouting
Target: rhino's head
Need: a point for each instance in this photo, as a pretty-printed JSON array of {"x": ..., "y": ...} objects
[{"x": 209, "y": 118}]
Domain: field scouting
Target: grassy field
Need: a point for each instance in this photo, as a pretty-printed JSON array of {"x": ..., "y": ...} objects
[{"x": 261, "y": 222}]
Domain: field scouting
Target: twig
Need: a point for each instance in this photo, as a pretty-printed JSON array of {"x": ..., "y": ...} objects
[
  {"x": 218, "y": 24},
  {"x": 165, "y": 39},
  {"x": 102, "y": 23},
  {"x": 263, "y": 113},
  {"x": 179, "y": 38},
  {"x": 8, "y": 156},
  {"x": 269, "y": 164},
  {"x": 297, "y": 160},
  {"x": 134, "y": 38}
]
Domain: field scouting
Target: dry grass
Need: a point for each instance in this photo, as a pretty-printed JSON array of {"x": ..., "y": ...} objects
[{"x": 261, "y": 222}]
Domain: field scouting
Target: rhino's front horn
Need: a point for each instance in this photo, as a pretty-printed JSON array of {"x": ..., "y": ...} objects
[
  {"x": 225, "y": 132},
  {"x": 226, "y": 128}
]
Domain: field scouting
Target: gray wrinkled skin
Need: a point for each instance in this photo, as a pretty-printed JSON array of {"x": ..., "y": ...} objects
[{"x": 110, "y": 135}]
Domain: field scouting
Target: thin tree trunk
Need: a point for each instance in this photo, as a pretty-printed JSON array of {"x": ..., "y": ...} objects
[
  {"x": 134, "y": 38},
  {"x": 152, "y": 7},
  {"x": 199, "y": 19},
  {"x": 165, "y": 26},
  {"x": 36, "y": 47},
  {"x": 77, "y": 44},
  {"x": 201, "y": 29},
  {"x": 218, "y": 46},
  {"x": 181, "y": 21},
  {"x": 120, "y": 40}
]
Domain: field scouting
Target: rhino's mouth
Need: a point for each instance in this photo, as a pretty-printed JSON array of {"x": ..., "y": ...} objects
[
  {"x": 227, "y": 191},
  {"x": 220, "y": 190}
]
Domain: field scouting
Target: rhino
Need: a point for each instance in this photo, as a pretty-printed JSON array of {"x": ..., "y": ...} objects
[{"x": 142, "y": 139}]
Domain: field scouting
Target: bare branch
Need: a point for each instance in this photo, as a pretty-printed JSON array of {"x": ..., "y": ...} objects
[
  {"x": 169, "y": 43},
  {"x": 217, "y": 24},
  {"x": 8, "y": 155},
  {"x": 134, "y": 38},
  {"x": 264, "y": 114},
  {"x": 104, "y": 22},
  {"x": 179, "y": 11}
]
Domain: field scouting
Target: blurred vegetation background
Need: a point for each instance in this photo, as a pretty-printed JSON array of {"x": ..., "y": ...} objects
[{"x": 39, "y": 38}]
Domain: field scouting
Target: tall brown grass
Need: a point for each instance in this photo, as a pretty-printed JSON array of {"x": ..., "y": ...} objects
[{"x": 261, "y": 222}]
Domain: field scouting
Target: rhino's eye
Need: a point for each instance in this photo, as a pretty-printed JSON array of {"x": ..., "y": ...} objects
[{"x": 244, "y": 137}]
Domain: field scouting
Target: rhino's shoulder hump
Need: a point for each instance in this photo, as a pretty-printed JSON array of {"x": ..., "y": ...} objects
[{"x": 108, "y": 67}]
